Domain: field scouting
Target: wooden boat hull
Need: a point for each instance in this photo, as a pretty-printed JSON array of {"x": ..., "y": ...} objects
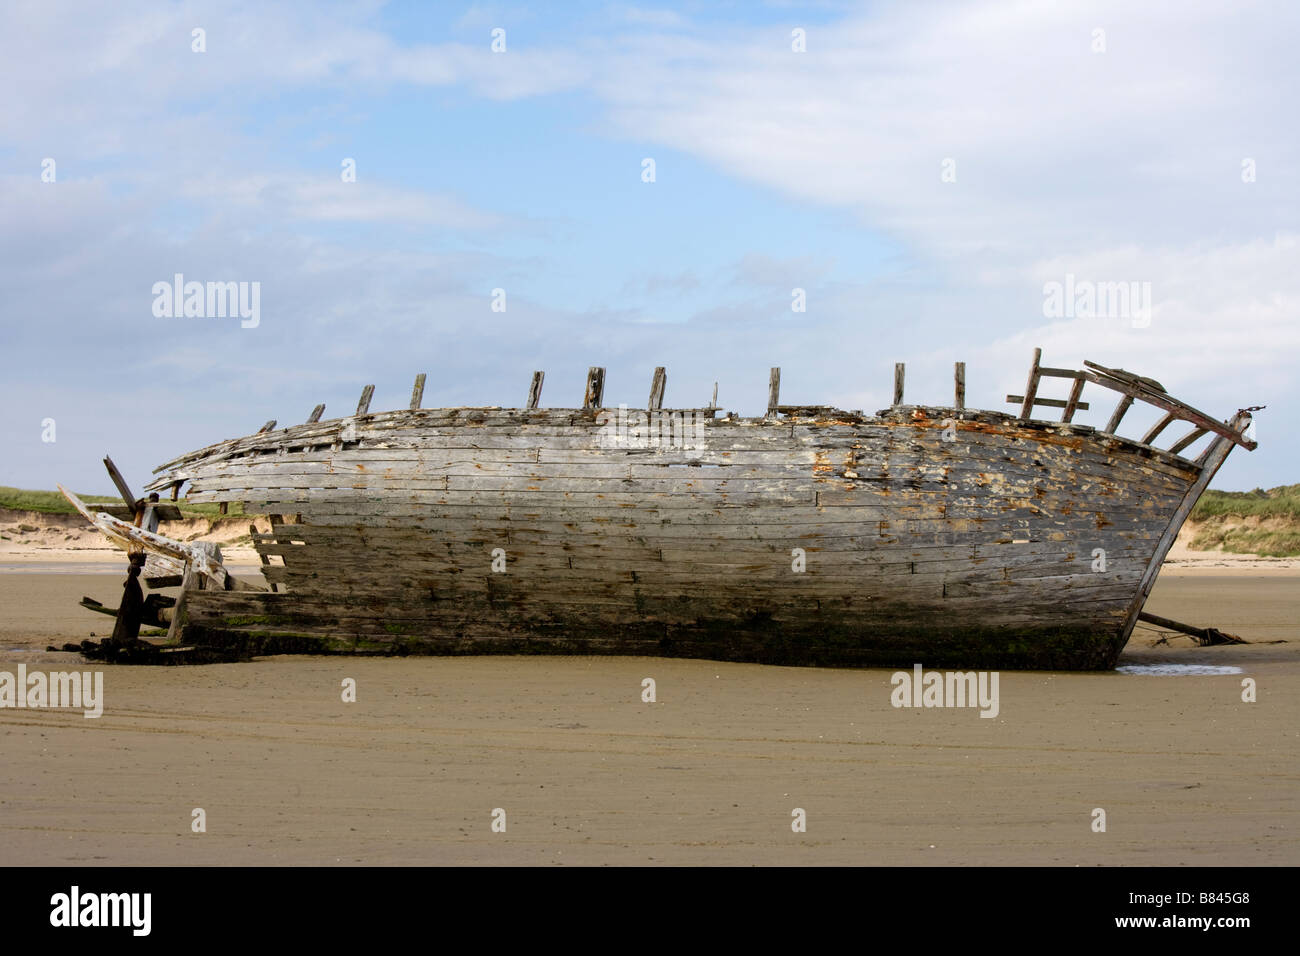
[{"x": 947, "y": 537}]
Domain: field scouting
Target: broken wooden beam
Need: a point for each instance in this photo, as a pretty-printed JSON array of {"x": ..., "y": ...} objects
[
  {"x": 417, "y": 392},
  {"x": 367, "y": 393},
  {"x": 595, "y": 393},
  {"x": 773, "y": 390},
  {"x": 535, "y": 389},
  {"x": 267, "y": 427},
  {"x": 898, "y": 383},
  {"x": 316, "y": 413},
  {"x": 657, "y": 384},
  {"x": 164, "y": 581},
  {"x": 91, "y": 604},
  {"x": 155, "y": 610},
  {"x": 959, "y": 384},
  {"x": 122, "y": 488},
  {"x": 163, "y": 511},
  {"x": 1207, "y": 636},
  {"x": 1047, "y": 402},
  {"x": 1031, "y": 387}
]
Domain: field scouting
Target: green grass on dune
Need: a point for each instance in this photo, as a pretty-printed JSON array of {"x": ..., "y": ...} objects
[
  {"x": 1219, "y": 514},
  {"x": 1280, "y": 502},
  {"x": 53, "y": 503}
]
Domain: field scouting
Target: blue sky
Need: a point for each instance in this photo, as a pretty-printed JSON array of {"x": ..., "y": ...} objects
[{"x": 1111, "y": 156}]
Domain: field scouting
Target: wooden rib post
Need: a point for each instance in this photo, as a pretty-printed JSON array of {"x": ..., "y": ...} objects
[
  {"x": 898, "y": 383},
  {"x": 657, "y": 389},
  {"x": 267, "y": 427},
  {"x": 316, "y": 413},
  {"x": 367, "y": 393},
  {"x": 959, "y": 383},
  {"x": 535, "y": 389},
  {"x": 1154, "y": 431},
  {"x": 595, "y": 393},
  {"x": 1072, "y": 404},
  {"x": 417, "y": 392},
  {"x": 773, "y": 390},
  {"x": 1031, "y": 387},
  {"x": 1124, "y": 404}
]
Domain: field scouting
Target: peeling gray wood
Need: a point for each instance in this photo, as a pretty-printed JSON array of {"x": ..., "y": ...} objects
[
  {"x": 1073, "y": 404},
  {"x": 363, "y": 404},
  {"x": 595, "y": 392},
  {"x": 123, "y": 488},
  {"x": 1117, "y": 416},
  {"x": 1031, "y": 387},
  {"x": 657, "y": 384}
]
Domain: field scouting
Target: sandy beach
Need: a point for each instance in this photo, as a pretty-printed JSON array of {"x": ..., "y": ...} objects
[{"x": 710, "y": 773}]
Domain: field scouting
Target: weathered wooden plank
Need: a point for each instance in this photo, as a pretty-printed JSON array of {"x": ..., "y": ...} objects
[
  {"x": 1124, "y": 405},
  {"x": 417, "y": 392},
  {"x": 773, "y": 390},
  {"x": 595, "y": 392},
  {"x": 1031, "y": 387},
  {"x": 657, "y": 385},
  {"x": 1154, "y": 431},
  {"x": 1187, "y": 439},
  {"x": 316, "y": 413},
  {"x": 363, "y": 404},
  {"x": 899, "y": 370},
  {"x": 1073, "y": 404},
  {"x": 1048, "y": 402},
  {"x": 959, "y": 382},
  {"x": 123, "y": 488}
]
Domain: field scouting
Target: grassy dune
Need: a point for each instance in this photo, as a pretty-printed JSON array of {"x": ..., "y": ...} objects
[
  {"x": 1249, "y": 522},
  {"x": 53, "y": 503}
]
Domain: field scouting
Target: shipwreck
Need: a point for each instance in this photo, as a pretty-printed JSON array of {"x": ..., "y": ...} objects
[{"x": 810, "y": 535}]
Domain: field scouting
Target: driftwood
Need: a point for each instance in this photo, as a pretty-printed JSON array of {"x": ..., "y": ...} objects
[{"x": 1205, "y": 636}]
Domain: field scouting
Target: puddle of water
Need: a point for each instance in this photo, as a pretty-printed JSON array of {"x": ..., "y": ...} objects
[{"x": 1175, "y": 670}]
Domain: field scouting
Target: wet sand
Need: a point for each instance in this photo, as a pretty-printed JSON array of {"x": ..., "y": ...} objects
[{"x": 709, "y": 774}]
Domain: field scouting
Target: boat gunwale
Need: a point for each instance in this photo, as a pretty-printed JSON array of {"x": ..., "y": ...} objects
[{"x": 330, "y": 431}]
